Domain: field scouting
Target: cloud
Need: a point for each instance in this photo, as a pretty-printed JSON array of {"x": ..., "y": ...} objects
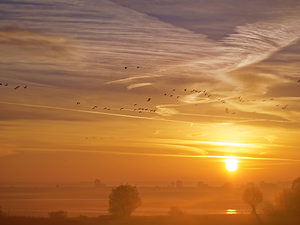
[
  {"x": 31, "y": 45},
  {"x": 132, "y": 86},
  {"x": 19, "y": 36},
  {"x": 162, "y": 111},
  {"x": 256, "y": 42}
]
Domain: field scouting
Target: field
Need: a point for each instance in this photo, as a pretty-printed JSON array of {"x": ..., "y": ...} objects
[{"x": 84, "y": 199}]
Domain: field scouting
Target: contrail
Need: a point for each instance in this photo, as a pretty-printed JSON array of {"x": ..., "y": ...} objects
[
  {"x": 171, "y": 155},
  {"x": 132, "y": 86},
  {"x": 237, "y": 119},
  {"x": 94, "y": 112},
  {"x": 240, "y": 119},
  {"x": 129, "y": 79}
]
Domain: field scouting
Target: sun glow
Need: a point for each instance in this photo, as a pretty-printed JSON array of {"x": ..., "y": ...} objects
[{"x": 231, "y": 164}]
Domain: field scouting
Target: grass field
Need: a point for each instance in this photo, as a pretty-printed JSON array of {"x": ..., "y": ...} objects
[{"x": 151, "y": 220}]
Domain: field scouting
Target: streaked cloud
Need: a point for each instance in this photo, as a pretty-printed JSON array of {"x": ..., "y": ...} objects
[
  {"x": 18, "y": 36},
  {"x": 90, "y": 67},
  {"x": 132, "y": 86}
]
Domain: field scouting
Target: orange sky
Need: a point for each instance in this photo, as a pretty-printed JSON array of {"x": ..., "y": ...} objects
[{"x": 222, "y": 81}]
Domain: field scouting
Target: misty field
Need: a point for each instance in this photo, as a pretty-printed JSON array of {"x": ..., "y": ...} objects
[{"x": 87, "y": 200}]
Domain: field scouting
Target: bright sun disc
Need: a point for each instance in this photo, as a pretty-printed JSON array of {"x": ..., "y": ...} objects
[{"x": 231, "y": 164}]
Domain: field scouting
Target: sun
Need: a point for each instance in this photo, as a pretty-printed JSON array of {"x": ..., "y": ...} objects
[{"x": 231, "y": 164}]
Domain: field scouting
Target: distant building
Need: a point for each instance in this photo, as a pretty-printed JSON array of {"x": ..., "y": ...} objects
[
  {"x": 201, "y": 184},
  {"x": 179, "y": 184}
]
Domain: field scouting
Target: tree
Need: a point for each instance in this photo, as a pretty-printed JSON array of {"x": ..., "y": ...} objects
[
  {"x": 252, "y": 196},
  {"x": 296, "y": 184},
  {"x": 123, "y": 200},
  {"x": 58, "y": 215},
  {"x": 2, "y": 214},
  {"x": 289, "y": 200},
  {"x": 286, "y": 209}
]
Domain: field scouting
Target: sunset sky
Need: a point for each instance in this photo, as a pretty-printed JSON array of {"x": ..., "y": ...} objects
[{"x": 179, "y": 86}]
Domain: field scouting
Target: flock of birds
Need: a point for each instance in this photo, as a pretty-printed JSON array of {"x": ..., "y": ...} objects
[
  {"x": 173, "y": 94},
  {"x": 15, "y": 88},
  {"x": 176, "y": 95}
]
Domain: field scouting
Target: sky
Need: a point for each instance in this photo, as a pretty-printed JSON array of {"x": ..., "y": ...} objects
[{"x": 148, "y": 90}]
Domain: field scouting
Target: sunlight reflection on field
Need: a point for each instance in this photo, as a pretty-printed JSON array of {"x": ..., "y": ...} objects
[{"x": 231, "y": 211}]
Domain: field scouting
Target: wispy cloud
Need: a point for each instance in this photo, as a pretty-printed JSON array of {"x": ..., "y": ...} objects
[
  {"x": 132, "y": 86},
  {"x": 19, "y": 36},
  {"x": 79, "y": 51}
]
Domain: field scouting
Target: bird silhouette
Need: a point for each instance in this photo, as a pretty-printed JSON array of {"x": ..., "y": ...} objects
[
  {"x": 125, "y": 67},
  {"x": 95, "y": 107},
  {"x": 16, "y": 87},
  {"x": 184, "y": 89},
  {"x": 298, "y": 81},
  {"x": 149, "y": 99},
  {"x": 285, "y": 106},
  {"x": 25, "y": 86},
  {"x": 78, "y": 103}
]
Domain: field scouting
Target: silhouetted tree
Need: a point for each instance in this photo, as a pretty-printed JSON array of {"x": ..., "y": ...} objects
[
  {"x": 123, "y": 200},
  {"x": 2, "y": 214},
  {"x": 296, "y": 184},
  {"x": 58, "y": 215},
  {"x": 252, "y": 196},
  {"x": 289, "y": 200}
]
